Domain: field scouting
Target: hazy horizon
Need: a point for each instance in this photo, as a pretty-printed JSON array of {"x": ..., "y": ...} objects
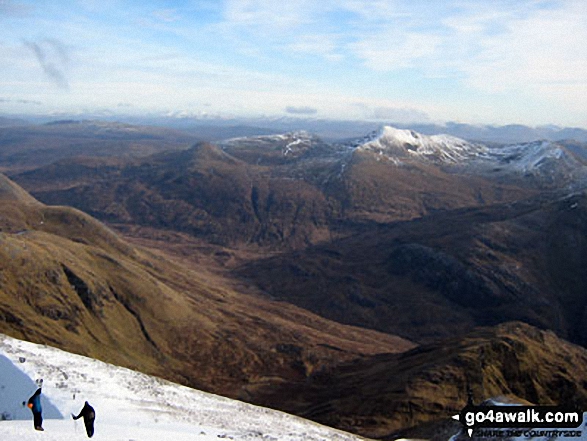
[{"x": 502, "y": 63}]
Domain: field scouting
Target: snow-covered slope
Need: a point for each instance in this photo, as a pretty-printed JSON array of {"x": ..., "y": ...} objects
[
  {"x": 398, "y": 143},
  {"x": 529, "y": 156},
  {"x": 129, "y": 405}
]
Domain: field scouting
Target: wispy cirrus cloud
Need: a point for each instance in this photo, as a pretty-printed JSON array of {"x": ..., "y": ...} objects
[
  {"x": 263, "y": 27},
  {"x": 53, "y": 57},
  {"x": 390, "y": 50},
  {"x": 538, "y": 39},
  {"x": 325, "y": 46},
  {"x": 535, "y": 54},
  {"x": 266, "y": 16}
]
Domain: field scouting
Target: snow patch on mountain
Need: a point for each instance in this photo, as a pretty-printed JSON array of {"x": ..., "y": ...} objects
[
  {"x": 289, "y": 143},
  {"x": 527, "y": 157},
  {"x": 129, "y": 405}
]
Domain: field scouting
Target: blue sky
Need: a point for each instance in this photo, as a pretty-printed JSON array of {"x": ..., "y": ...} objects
[{"x": 497, "y": 62}]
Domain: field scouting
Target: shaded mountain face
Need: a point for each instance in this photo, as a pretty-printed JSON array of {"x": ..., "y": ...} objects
[
  {"x": 67, "y": 280},
  {"x": 294, "y": 190},
  {"x": 429, "y": 383},
  {"x": 448, "y": 272}
]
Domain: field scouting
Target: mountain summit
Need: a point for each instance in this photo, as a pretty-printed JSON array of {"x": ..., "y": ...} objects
[{"x": 398, "y": 143}]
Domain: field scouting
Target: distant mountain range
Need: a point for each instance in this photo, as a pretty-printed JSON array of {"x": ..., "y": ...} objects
[
  {"x": 29, "y": 146},
  {"x": 215, "y": 128},
  {"x": 295, "y": 189},
  {"x": 337, "y": 130}
]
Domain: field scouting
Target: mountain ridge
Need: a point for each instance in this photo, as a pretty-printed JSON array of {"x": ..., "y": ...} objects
[
  {"x": 240, "y": 230},
  {"x": 295, "y": 190}
]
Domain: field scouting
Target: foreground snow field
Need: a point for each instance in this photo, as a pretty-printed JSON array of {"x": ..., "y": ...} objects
[{"x": 130, "y": 406}]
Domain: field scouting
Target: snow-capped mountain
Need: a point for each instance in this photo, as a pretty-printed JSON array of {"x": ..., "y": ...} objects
[
  {"x": 129, "y": 405},
  {"x": 288, "y": 144},
  {"x": 402, "y": 146},
  {"x": 529, "y": 156},
  {"x": 398, "y": 144}
]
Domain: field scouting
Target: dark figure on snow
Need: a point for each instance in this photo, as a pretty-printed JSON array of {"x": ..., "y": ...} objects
[
  {"x": 89, "y": 416},
  {"x": 34, "y": 404}
]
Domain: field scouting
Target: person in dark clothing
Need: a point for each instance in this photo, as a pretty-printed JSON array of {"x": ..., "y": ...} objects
[
  {"x": 34, "y": 404},
  {"x": 89, "y": 416}
]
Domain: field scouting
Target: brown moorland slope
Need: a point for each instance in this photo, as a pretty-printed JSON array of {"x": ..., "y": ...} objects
[
  {"x": 67, "y": 280},
  {"x": 428, "y": 384}
]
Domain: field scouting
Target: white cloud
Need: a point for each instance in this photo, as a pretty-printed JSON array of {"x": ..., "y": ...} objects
[
  {"x": 266, "y": 28},
  {"x": 166, "y": 15},
  {"x": 378, "y": 11},
  {"x": 543, "y": 53},
  {"x": 393, "y": 50},
  {"x": 534, "y": 48},
  {"x": 470, "y": 57},
  {"x": 268, "y": 16}
]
